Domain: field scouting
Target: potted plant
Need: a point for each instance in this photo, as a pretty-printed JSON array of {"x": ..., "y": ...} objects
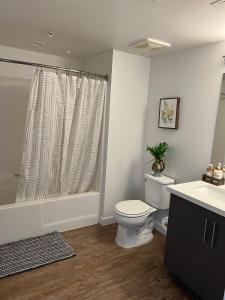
[{"x": 159, "y": 153}]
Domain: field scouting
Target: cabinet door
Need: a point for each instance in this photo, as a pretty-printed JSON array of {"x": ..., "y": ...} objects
[
  {"x": 186, "y": 246},
  {"x": 215, "y": 273}
]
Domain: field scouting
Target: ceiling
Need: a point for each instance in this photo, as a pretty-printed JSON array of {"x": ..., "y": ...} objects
[{"x": 88, "y": 27}]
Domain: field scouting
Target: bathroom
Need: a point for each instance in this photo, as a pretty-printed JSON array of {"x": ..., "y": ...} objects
[{"x": 191, "y": 69}]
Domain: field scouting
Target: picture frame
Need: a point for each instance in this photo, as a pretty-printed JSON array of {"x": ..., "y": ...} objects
[{"x": 169, "y": 109}]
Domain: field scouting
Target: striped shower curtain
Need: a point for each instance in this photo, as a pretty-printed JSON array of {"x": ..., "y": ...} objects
[{"x": 62, "y": 135}]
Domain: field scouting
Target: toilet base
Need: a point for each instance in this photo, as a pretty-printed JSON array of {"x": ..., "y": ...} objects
[{"x": 130, "y": 238}]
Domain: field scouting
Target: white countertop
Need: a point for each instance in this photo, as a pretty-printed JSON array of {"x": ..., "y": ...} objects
[{"x": 203, "y": 194}]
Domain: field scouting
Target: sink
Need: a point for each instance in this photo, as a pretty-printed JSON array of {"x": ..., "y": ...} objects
[
  {"x": 211, "y": 192},
  {"x": 203, "y": 194}
]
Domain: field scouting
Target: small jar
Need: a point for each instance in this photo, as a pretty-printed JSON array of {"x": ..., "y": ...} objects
[{"x": 218, "y": 174}]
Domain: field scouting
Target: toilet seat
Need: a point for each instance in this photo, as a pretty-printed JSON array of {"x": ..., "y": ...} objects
[{"x": 133, "y": 208}]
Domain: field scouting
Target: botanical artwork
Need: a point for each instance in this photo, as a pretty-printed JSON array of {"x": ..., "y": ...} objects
[{"x": 169, "y": 113}]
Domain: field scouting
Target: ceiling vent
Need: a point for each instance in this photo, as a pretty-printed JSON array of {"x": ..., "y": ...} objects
[
  {"x": 220, "y": 4},
  {"x": 149, "y": 45}
]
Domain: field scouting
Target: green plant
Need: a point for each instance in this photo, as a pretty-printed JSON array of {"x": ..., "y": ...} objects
[{"x": 158, "y": 151}]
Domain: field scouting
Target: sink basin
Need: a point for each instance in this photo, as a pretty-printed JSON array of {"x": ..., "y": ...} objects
[{"x": 211, "y": 192}]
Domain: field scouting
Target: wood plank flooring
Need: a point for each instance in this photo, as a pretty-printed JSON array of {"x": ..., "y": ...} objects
[{"x": 100, "y": 271}]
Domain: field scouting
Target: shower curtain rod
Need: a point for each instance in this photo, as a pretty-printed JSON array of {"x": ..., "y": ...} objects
[{"x": 20, "y": 62}]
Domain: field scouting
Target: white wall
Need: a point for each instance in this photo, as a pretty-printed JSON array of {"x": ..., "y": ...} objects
[
  {"x": 128, "y": 101},
  {"x": 194, "y": 75},
  {"x": 101, "y": 63}
]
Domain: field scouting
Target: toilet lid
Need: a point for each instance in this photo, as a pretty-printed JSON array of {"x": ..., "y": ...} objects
[{"x": 133, "y": 207}]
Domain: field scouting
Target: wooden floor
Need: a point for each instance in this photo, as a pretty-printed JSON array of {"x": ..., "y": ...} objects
[{"x": 100, "y": 271}]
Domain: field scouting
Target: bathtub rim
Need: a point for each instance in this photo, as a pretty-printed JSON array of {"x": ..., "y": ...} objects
[{"x": 47, "y": 200}]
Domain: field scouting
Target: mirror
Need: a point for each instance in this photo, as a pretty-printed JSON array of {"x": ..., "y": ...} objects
[{"x": 218, "y": 153}]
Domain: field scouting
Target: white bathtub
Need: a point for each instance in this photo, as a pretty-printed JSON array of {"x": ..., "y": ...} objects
[{"x": 28, "y": 219}]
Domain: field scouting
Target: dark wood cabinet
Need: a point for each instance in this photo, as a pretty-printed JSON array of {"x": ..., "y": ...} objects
[
  {"x": 215, "y": 273},
  {"x": 195, "y": 248}
]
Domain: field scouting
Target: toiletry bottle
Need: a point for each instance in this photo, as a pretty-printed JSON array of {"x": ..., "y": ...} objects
[
  {"x": 218, "y": 173},
  {"x": 210, "y": 171}
]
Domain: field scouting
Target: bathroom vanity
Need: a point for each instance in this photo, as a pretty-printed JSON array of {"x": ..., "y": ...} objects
[{"x": 195, "y": 246}]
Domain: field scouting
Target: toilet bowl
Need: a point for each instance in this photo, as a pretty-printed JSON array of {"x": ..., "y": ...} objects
[
  {"x": 134, "y": 223},
  {"x": 135, "y": 218}
]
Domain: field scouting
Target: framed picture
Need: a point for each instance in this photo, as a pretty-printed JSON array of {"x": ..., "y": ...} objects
[{"x": 169, "y": 113}]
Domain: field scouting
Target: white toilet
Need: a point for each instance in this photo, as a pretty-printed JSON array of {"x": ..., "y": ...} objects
[{"x": 135, "y": 218}]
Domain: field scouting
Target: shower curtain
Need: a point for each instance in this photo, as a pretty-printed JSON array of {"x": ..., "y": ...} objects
[{"x": 62, "y": 135}]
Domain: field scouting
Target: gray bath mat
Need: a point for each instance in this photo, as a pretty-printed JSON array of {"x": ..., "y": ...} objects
[{"x": 32, "y": 253}]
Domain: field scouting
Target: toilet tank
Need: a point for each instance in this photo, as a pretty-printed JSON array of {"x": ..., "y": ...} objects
[{"x": 156, "y": 194}]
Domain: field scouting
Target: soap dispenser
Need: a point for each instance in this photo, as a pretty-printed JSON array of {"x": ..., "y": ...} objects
[
  {"x": 210, "y": 170},
  {"x": 218, "y": 173}
]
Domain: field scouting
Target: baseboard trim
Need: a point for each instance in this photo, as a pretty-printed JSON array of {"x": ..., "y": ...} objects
[{"x": 106, "y": 221}]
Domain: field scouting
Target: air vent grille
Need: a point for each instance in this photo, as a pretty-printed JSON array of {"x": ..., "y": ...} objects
[{"x": 150, "y": 45}]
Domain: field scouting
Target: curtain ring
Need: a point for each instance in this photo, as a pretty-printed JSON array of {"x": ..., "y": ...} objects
[{"x": 57, "y": 71}]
